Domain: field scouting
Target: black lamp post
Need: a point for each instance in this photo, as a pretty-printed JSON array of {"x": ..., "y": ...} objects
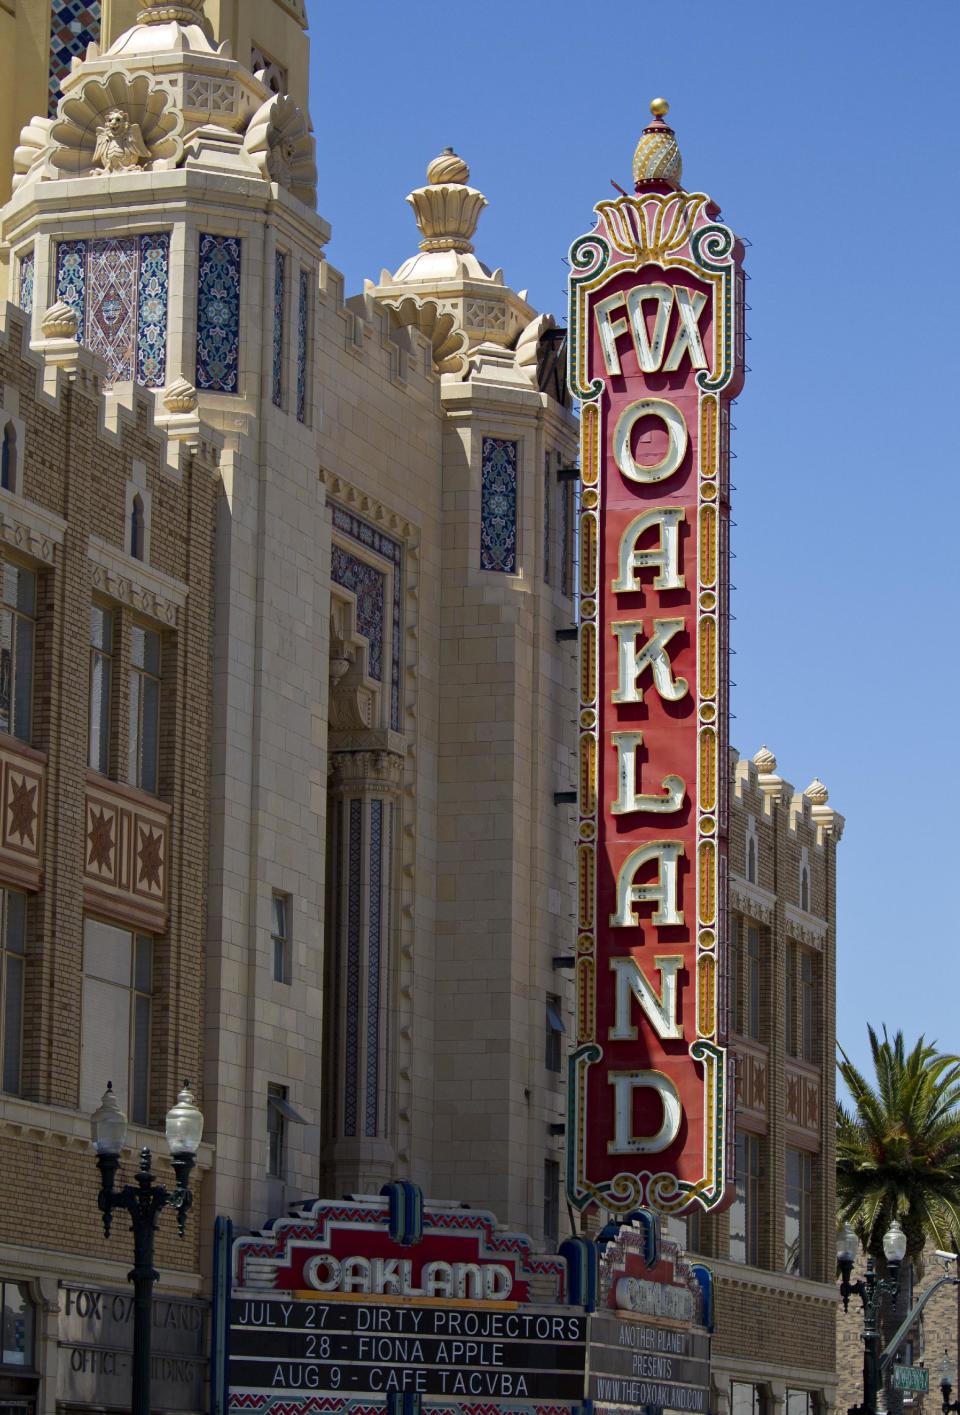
[
  {"x": 144, "y": 1202},
  {"x": 871, "y": 1290},
  {"x": 948, "y": 1374}
]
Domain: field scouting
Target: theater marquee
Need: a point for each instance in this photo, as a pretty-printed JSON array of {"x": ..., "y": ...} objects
[{"x": 655, "y": 356}]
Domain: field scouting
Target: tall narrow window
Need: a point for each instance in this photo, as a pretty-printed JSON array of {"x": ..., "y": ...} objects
[
  {"x": 808, "y": 1005},
  {"x": 734, "y": 1009},
  {"x": 13, "y": 913},
  {"x": 546, "y": 517},
  {"x": 101, "y": 686},
  {"x": 752, "y": 980},
  {"x": 805, "y": 889},
  {"x": 144, "y": 739},
  {"x": 303, "y": 347},
  {"x": 279, "y": 311},
  {"x": 745, "y": 1399},
  {"x": 790, "y": 999},
  {"x": 17, "y": 632},
  {"x": 798, "y": 1216},
  {"x": 8, "y": 458},
  {"x": 117, "y": 1017},
  {"x": 555, "y": 1030},
  {"x": 551, "y": 1200},
  {"x": 281, "y": 937},
  {"x": 137, "y": 528},
  {"x": 745, "y": 1209},
  {"x": 16, "y": 1311},
  {"x": 276, "y": 1131},
  {"x": 751, "y": 860}
]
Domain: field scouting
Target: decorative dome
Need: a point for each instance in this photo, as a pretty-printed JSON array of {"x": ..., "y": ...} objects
[
  {"x": 765, "y": 761},
  {"x": 657, "y": 158},
  {"x": 816, "y": 793},
  {"x": 448, "y": 167}
]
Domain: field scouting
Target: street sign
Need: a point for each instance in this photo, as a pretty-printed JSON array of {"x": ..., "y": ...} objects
[{"x": 910, "y": 1378}]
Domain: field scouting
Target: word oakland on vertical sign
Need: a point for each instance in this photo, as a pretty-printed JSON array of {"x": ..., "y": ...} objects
[{"x": 656, "y": 339}]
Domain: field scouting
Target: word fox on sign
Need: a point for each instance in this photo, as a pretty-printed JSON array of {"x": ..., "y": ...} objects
[{"x": 655, "y": 356}]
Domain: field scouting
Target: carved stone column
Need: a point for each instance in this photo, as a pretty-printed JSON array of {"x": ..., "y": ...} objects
[{"x": 364, "y": 798}]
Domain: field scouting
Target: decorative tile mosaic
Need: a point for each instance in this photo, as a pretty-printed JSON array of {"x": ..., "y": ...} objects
[
  {"x": 563, "y": 494},
  {"x": 498, "y": 505},
  {"x": 279, "y": 300},
  {"x": 373, "y": 968},
  {"x": 119, "y": 289},
  {"x": 546, "y": 519},
  {"x": 25, "y": 290},
  {"x": 73, "y": 25},
  {"x": 391, "y": 550},
  {"x": 110, "y": 308},
  {"x": 367, "y": 583},
  {"x": 153, "y": 290},
  {"x": 303, "y": 313},
  {"x": 353, "y": 973},
  {"x": 72, "y": 277},
  {"x": 218, "y": 314}
]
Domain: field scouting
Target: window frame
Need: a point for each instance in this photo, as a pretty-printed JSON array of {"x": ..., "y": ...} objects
[
  {"x": 753, "y": 980},
  {"x": 747, "y": 1192},
  {"x": 108, "y": 657},
  {"x": 802, "y": 1264},
  {"x": 141, "y": 674},
  {"x": 282, "y": 941},
  {"x": 138, "y": 1091},
  {"x": 554, "y": 1030},
  {"x": 19, "y": 616},
  {"x": 10, "y": 956}
]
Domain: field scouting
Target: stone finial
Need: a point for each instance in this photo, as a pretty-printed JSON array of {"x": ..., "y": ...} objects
[
  {"x": 180, "y": 397},
  {"x": 448, "y": 167},
  {"x": 161, "y": 12},
  {"x": 816, "y": 793},
  {"x": 657, "y": 158},
  {"x": 765, "y": 761},
  {"x": 447, "y": 210},
  {"x": 59, "y": 322}
]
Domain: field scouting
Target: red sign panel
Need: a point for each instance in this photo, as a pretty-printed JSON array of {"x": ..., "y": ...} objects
[{"x": 655, "y": 356}]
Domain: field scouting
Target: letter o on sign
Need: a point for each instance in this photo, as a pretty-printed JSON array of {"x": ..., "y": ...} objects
[
  {"x": 672, "y": 419},
  {"x": 323, "y": 1272}
]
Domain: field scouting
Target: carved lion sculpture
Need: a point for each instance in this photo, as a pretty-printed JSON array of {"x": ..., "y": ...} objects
[{"x": 119, "y": 145}]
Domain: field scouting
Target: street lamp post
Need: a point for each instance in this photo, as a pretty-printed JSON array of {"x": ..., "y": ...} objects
[
  {"x": 144, "y": 1202},
  {"x": 948, "y": 1374},
  {"x": 871, "y": 1290}
]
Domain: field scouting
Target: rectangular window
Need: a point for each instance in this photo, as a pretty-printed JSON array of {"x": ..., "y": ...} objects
[
  {"x": 551, "y": 1201},
  {"x": 547, "y": 492},
  {"x": 276, "y": 1131},
  {"x": 117, "y": 1017},
  {"x": 280, "y": 924},
  {"x": 144, "y": 739},
  {"x": 790, "y": 999},
  {"x": 17, "y": 638},
  {"x": 553, "y": 1056},
  {"x": 745, "y": 1399},
  {"x": 16, "y": 1310},
  {"x": 799, "y": 1402},
  {"x": 101, "y": 686},
  {"x": 745, "y": 1209},
  {"x": 798, "y": 1219},
  {"x": 734, "y": 1010},
  {"x": 303, "y": 344},
  {"x": 808, "y": 1005},
  {"x": 13, "y": 947},
  {"x": 498, "y": 505},
  {"x": 752, "y": 980}
]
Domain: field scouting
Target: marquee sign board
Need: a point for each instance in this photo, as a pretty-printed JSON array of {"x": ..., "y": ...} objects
[{"x": 655, "y": 357}]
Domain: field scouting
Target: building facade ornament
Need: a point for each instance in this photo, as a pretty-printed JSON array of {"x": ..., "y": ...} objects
[
  {"x": 372, "y": 772},
  {"x": 59, "y": 322},
  {"x": 447, "y": 209},
  {"x": 447, "y": 341},
  {"x": 657, "y": 158},
  {"x": 180, "y": 397},
  {"x": 280, "y": 143}
]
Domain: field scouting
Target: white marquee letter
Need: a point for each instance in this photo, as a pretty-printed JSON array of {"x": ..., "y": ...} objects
[
  {"x": 624, "y": 1141},
  {"x": 662, "y": 892},
  {"x": 628, "y": 798},
  {"x": 690, "y": 304},
  {"x": 610, "y": 331},
  {"x": 665, "y": 555},
  {"x": 632, "y": 982},
  {"x": 650, "y": 351},
  {"x": 634, "y": 661},
  {"x": 672, "y": 419}
]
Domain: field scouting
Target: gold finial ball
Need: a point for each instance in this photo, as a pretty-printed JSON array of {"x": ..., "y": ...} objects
[{"x": 659, "y": 107}]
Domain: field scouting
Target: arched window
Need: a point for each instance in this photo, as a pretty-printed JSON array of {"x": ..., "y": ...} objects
[
  {"x": 136, "y": 527},
  {"x": 752, "y": 860},
  {"x": 805, "y": 890},
  {"x": 8, "y": 469}
]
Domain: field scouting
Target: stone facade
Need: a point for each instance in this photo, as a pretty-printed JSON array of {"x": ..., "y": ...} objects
[{"x": 774, "y": 1249}]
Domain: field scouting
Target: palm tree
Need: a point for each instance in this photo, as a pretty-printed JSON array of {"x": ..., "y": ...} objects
[{"x": 898, "y": 1149}]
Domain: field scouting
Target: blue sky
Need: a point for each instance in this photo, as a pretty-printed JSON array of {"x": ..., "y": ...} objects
[{"x": 828, "y": 133}]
